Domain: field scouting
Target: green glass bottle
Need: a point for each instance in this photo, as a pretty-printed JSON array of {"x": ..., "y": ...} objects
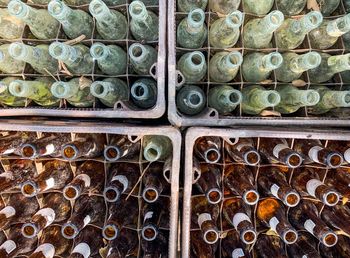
[
  {"x": 293, "y": 99},
  {"x": 110, "y": 24},
  {"x": 294, "y": 65},
  {"x": 328, "y": 33},
  {"x": 193, "y": 66},
  {"x": 114, "y": 2},
  {"x": 7, "y": 63},
  {"x": 74, "y": 22},
  {"x": 293, "y": 31},
  {"x": 261, "y": 7},
  {"x": 76, "y": 92},
  {"x": 144, "y": 93},
  {"x": 224, "y": 99},
  {"x": 291, "y": 7},
  {"x": 191, "y": 100},
  {"x": 110, "y": 90},
  {"x": 144, "y": 23},
  {"x": 77, "y": 58},
  {"x": 328, "y": 7},
  {"x": 189, "y": 5},
  {"x": 224, "y": 6},
  {"x": 330, "y": 65},
  {"x": 224, "y": 32},
  {"x": 258, "y": 66},
  {"x": 346, "y": 40},
  {"x": 38, "y": 90},
  {"x": 77, "y": 2},
  {"x": 39, "y": 21},
  {"x": 111, "y": 59},
  {"x": 156, "y": 147},
  {"x": 224, "y": 66},
  {"x": 142, "y": 57},
  {"x": 192, "y": 31},
  {"x": 6, "y": 98},
  {"x": 38, "y": 57},
  {"x": 258, "y": 32},
  {"x": 150, "y": 2},
  {"x": 10, "y": 26},
  {"x": 256, "y": 98}
]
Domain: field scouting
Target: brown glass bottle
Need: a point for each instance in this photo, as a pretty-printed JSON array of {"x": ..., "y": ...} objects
[
  {"x": 239, "y": 214},
  {"x": 268, "y": 246},
  {"x": 87, "y": 209},
  {"x": 154, "y": 183},
  {"x": 304, "y": 247},
  {"x": 201, "y": 249},
  {"x": 152, "y": 214},
  {"x": 337, "y": 217},
  {"x": 244, "y": 151},
  {"x": 124, "y": 245},
  {"x": 339, "y": 179},
  {"x": 308, "y": 181},
  {"x": 119, "y": 147},
  {"x": 208, "y": 149},
  {"x": 209, "y": 183},
  {"x": 231, "y": 246},
  {"x": 123, "y": 177},
  {"x": 273, "y": 181},
  {"x": 54, "y": 209},
  {"x": 342, "y": 147},
  {"x": 340, "y": 250},
  {"x": 239, "y": 180},
  {"x": 157, "y": 248},
  {"x": 272, "y": 214},
  {"x": 10, "y": 144},
  {"x": 90, "y": 177},
  {"x": 55, "y": 176},
  {"x": 305, "y": 217},
  {"x": 3, "y": 237}
]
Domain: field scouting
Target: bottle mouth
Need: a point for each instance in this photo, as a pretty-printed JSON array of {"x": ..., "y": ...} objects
[
  {"x": 99, "y": 51},
  {"x": 290, "y": 237},
  {"x": 234, "y": 19},
  {"x": 292, "y": 199},
  {"x": 251, "y": 197},
  {"x": 29, "y": 189},
  {"x": 59, "y": 51},
  {"x": 313, "y": 19},
  {"x": 235, "y": 97},
  {"x": 252, "y": 158},
  {"x": 197, "y": 60},
  {"x": 334, "y": 160},
  {"x": 17, "y": 50},
  {"x": 275, "y": 18},
  {"x": 111, "y": 194},
  {"x": 138, "y": 10},
  {"x": 97, "y": 8},
  {"x": 18, "y": 8},
  {"x": 194, "y": 99},
  {"x": 29, "y": 230},
  {"x": 139, "y": 91},
  {"x": 70, "y": 192},
  {"x": 112, "y": 153},
  {"x": 331, "y": 198},
  {"x": 212, "y": 155},
  {"x": 152, "y": 152},
  {"x": 150, "y": 194},
  {"x": 196, "y": 17},
  {"x": 312, "y": 97},
  {"x": 110, "y": 232},
  {"x": 69, "y": 231},
  {"x": 211, "y": 236},
  {"x": 29, "y": 151},
  {"x": 57, "y": 9},
  {"x": 312, "y": 60},
  {"x": 294, "y": 160},
  {"x": 149, "y": 232},
  {"x": 272, "y": 98},
  {"x": 249, "y": 237},
  {"x": 70, "y": 152},
  {"x": 99, "y": 89},
  {"x": 234, "y": 59},
  {"x": 274, "y": 60},
  {"x": 137, "y": 52},
  {"x": 214, "y": 196},
  {"x": 346, "y": 98},
  {"x": 330, "y": 239},
  {"x": 60, "y": 89}
]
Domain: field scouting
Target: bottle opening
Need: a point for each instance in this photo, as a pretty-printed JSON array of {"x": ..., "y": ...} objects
[
  {"x": 28, "y": 151},
  {"x": 16, "y": 50},
  {"x": 249, "y": 237},
  {"x": 29, "y": 230},
  {"x": 334, "y": 160},
  {"x": 112, "y": 153},
  {"x": 234, "y": 19},
  {"x": 211, "y": 236},
  {"x": 139, "y": 91},
  {"x": 70, "y": 192},
  {"x": 235, "y": 97},
  {"x": 69, "y": 152},
  {"x": 136, "y": 51},
  {"x": 275, "y": 60},
  {"x": 273, "y": 98},
  {"x": 56, "y": 9},
  {"x": 346, "y": 99},
  {"x": 196, "y": 17},
  {"x": 149, "y": 233},
  {"x": 212, "y": 156},
  {"x": 214, "y": 196},
  {"x": 313, "y": 19},
  {"x": 294, "y": 160},
  {"x": 98, "y": 89},
  {"x": 276, "y": 18},
  {"x": 251, "y": 197},
  {"x": 97, "y": 7},
  {"x": 312, "y": 60},
  {"x": 69, "y": 231},
  {"x": 290, "y": 237},
  {"x": 98, "y": 51},
  {"x": 292, "y": 199},
  {"x": 330, "y": 239},
  {"x": 110, "y": 232},
  {"x": 197, "y": 59},
  {"x": 331, "y": 198},
  {"x": 235, "y": 59},
  {"x": 29, "y": 189},
  {"x": 137, "y": 10},
  {"x": 59, "y": 89},
  {"x": 312, "y": 97},
  {"x": 150, "y": 194},
  {"x": 58, "y": 50},
  {"x": 252, "y": 158},
  {"x": 111, "y": 194},
  {"x": 17, "y": 8},
  {"x": 151, "y": 154}
]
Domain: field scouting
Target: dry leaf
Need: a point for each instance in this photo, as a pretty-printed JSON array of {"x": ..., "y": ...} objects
[
  {"x": 298, "y": 83},
  {"x": 76, "y": 40},
  {"x": 270, "y": 113},
  {"x": 84, "y": 83},
  {"x": 271, "y": 232},
  {"x": 341, "y": 232},
  {"x": 266, "y": 82},
  {"x": 344, "y": 200},
  {"x": 312, "y": 4},
  {"x": 223, "y": 234},
  {"x": 63, "y": 68},
  {"x": 221, "y": 15},
  {"x": 103, "y": 251}
]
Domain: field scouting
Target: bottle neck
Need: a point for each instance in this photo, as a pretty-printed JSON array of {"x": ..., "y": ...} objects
[
  {"x": 77, "y": 149},
  {"x": 138, "y": 53},
  {"x": 22, "y": 11},
  {"x": 195, "y": 20},
  {"x": 60, "y": 11},
  {"x": 232, "y": 21},
  {"x": 141, "y": 91},
  {"x": 153, "y": 187},
  {"x": 103, "y": 90},
  {"x": 229, "y": 97},
  {"x": 231, "y": 61},
  {"x": 40, "y": 220},
  {"x": 151, "y": 219},
  {"x": 154, "y": 149},
  {"x": 100, "y": 11},
  {"x": 271, "y": 22},
  {"x": 271, "y": 61},
  {"x": 138, "y": 11},
  {"x": 100, "y": 52},
  {"x": 334, "y": 99},
  {"x": 117, "y": 186},
  {"x": 78, "y": 221},
  {"x": 338, "y": 27},
  {"x": 64, "y": 90},
  {"x": 7, "y": 248},
  {"x": 20, "y": 51},
  {"x": 23, "y": 89},
  {"x": 305, "y": 62},
  {"x": 310, "y": 21},
  {"x": 74, "y": 189},
  {"x": 44, "y": 251},
  {"x": 6, "y": 214},
  {"x": 339, "y": 63},
  {"x": 208, "y": 228},
  {"x": 195, "y": 61},
  {"x": 65, "y": 53},
  {"x": 266, "y": 98}
]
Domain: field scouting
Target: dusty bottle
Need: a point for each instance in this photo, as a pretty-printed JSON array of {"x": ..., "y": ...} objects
[
  {"x": 123, "y": 245},
  {"x": 120, "y": 146},
  {"x": 340, "y": 250},
  {"x": 244, "y": 151},
  {"x": 258, "y": 32},
  {"x": 258, "y": 8},
  {"x": 193, "y": 66},
  {"x": 268, "y": 246},
  {"x": 110, "y": 24},
  {"x": 291, "y": 8},
  {"x": 142, "y": 57},
  {"x": 6, "y": 97},
  {"x": 256, "y": 98},
  {"x": 7, "y": 63},
  {"x": 38, "y": 57},
  {"x": 224, "y": 66},
  {"x": 191, "y": 100},
  {"x": 224, "y": 32},
  {"x": 328, "y": 7},
  {"x": 272, "y": 214},
  {"x": 273, "y": 181},
  {"x": 156, "y": 248},
  {"x": 295, "y": 65},
  {"x": 340, "y": 146},
  {"x": 303, "y": 247},
  {"x": 10, "y": 144},
  {"x": 339, "y": 179},
  {"x": 55, "y": 176},
  {"x": 144, "y": 23},
  {"x": 10, "y": 26},
  {"x": 152, "y": 214},
  {"x": 223, "y": 6},
  {"x": 258, "y": 67},
  {"x": 337, "y": 218},
  {"x": 90, "y": 178},
  {"x": 111, "y": 59},
  {"x": 209, "y": 183},
  {"x": 87, "y": 244},
  {"x": 156, "y": 147},
  {"x": 74, "y": 22},
  {"x": 39, "y": 21},
  {"x": 154, "y": 183},
  {"x": 239, "y": 180},
  {"x": 199, "y": 248},
  {"x": 188, "y": 5},
  {"x": 224, "y": 99},
  {"x": 237, "y": 213},
  {"x": 232, "y": 247},
  {"x": 110, "y": 90},
  {"x": 143, "y": 93},
  {"x": 208, "y": 149},
  {"x": 192, "y": 31},
  {"x": 3, "y": 237}
]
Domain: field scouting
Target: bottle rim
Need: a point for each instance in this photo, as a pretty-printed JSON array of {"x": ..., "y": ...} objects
[
  {"x": 250, "y": 232},
  {"x": 147, "y": 198},
  {"x": 137, "y": 10},
  {"x": 333, "y": 236},
  {"x": 211, "y": 233},
  {"x": 234, "y": 19},
  {"x": 31, "y": 149},
  {"x": 313, "y": 19},
  {"x": 29, "y": 189},
  {"x": 295, "y": 196},
  {"x": 290, "y": 233},
  {"x": 59, "y": 50},
  {"x": 294, "y": 160},
  {"x": 218, "y": 196},
  {"x": 71, "y": 192},
  {"x": 112, "y": 153},
  {"x": 111, "y": 229},
  {"x": 139, "y": 91},
  {"x": 99, "y": 51},
  {"x": 251, "y": 192},
  {"x": 312, "y": 97},
  {"x": 152, "y": 152},
  {"x": 69, "y": 230},
  {"x": 149, "y": 229},
  {"x": 69, "y": 148},
  {"x": 17, "y": 50},
  {"x": 57, "y": 9},
  {"x": 334, "y": 159},
  {"x": 333, "y": 196},
  {"x": 60, "y": 89},
  {"x": 248, "y": 154},
  {"x": 212, "y": 152},
  {"x": 312, "y": 60},
  {"x": 275, "y": 18},
  {"x": 18, "y": 9},
  {"x": 113, "y": 191},
  {"x": 97, "y": 8},
  {"x": 29, "y": 230},
  {"x": 196, "y": 17}
]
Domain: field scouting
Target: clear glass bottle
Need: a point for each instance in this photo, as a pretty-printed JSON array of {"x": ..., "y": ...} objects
[
  {"x": 188, "y": 5},
  {"x": 77, "y": 58},
  {"x": 86, "y": 146},
  {"x": 142, "y": 57},
  {"x": 258, "y": 66},
  {"x": 295, "y": 65},
  {"x": 292, "y": 32},
  {"x": 111, "y": 59},
  {"x": 224, "y": 99},
  {"x": 243, "y": 151},
  {"x": 87, "y": 244},
  {"x": 120, "y": 146},
  {"x": 224, "y": 6},
  {"x": 144, "y": 23},
  {"x": 39, "y": 21},
  {"x": 257, "y": 7},
  {"x": 208, "y": 149},
  {"x": 154, "y": 183},
  {"x": 268, "y": 246},
  {"x": 224, "y": 32},
  {"x": 258, "y": 32},
  {"x": 124, "y": 244},
  {"x": 6, "y": 98},
  {"x": 193, "y": 66},
  {"x": 328, "y": 7},
  {"x": 224, "y": 66},
  {"x": 110, "y": 90},
  {"x": 10, "y": 26},
  {"x": 7, "y": 63},
  {"x": 292, "y": 99},
  {"x": 191, "y": 100},
  {"x": 74, "y": 22},
  {"x": 256, "y": 98},
  {"x": 143, "y": 93},
  {"x": 209, "y": 183},
  {"x": 192, "y": 31},
  {"x": 110, "y": 24},
  {"x": 291, "y": 7},
  {"x": 156, "y": 147}
]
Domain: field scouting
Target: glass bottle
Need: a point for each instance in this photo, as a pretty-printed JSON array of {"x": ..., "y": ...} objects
[
  {"x": 121, "y": 147},
  {"x": 188, "y": 5},
  {"x": 74, "y": 22},
  {"x": 39, "y": 21},
  {"x": 339, "y": 179},
  {"x": 6, "y": 97},
  {"x": 156, "y": 147},
  {"x": 38, "y": 57},
  {"x": 337, "y": 218},
  {"x": 143, "y": 93},
  {"x": 142, "y": 57},
  {"x": 110, "y": 90},
  {"x": 258, "y": 32},
  {"x": 232, "y": 247},
  {"x": 208, "y": 149},
  {"x": 292, "y": 32},
  {"x": 328, "y": 7},
  {"x": 10, "y": 26},
  {"x": 152, "y": 214},
  {"x": 110, "y": 24},
  {"x": 243, "y": 151},
  {"x": 192, "y": 32},
  {"x": 77, "y": 58},
  {"x": 224, "y": 66},
  {"x": 268, "y": 246},
  {"x": 156, "y": 248},
  {"x": 291, "y": 8},
  {"x": 340, "y": 250},
  {"x": 119, "y": 2},
  {"x": 224, "y": 99},
  {"x": 144, "y": 23},
  {"x": 256, "y": 98},
  {"x": 111, "y": 59},
  {"x": 258, "y": 66},
  {"x": 10, "y": 144},
  {"x": 7, "y": 63},
  {"x": 209, "y": 183},
  {"x": 200, "y": 248},
  {"x": 224, "y": 32},
  {"x": 87, "y": 244},
  {"x": 191, "y": 100},
  {"x": 193, "y": 66},
  {"x": 123, "y": 245},
  {"x": 223, "y": 6},
  {"x": 272, "y": 214},
  {"x": 154, "y": 183},
  {"x": 257, "y": 7},
  {"x": 303, "y": 247}
]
